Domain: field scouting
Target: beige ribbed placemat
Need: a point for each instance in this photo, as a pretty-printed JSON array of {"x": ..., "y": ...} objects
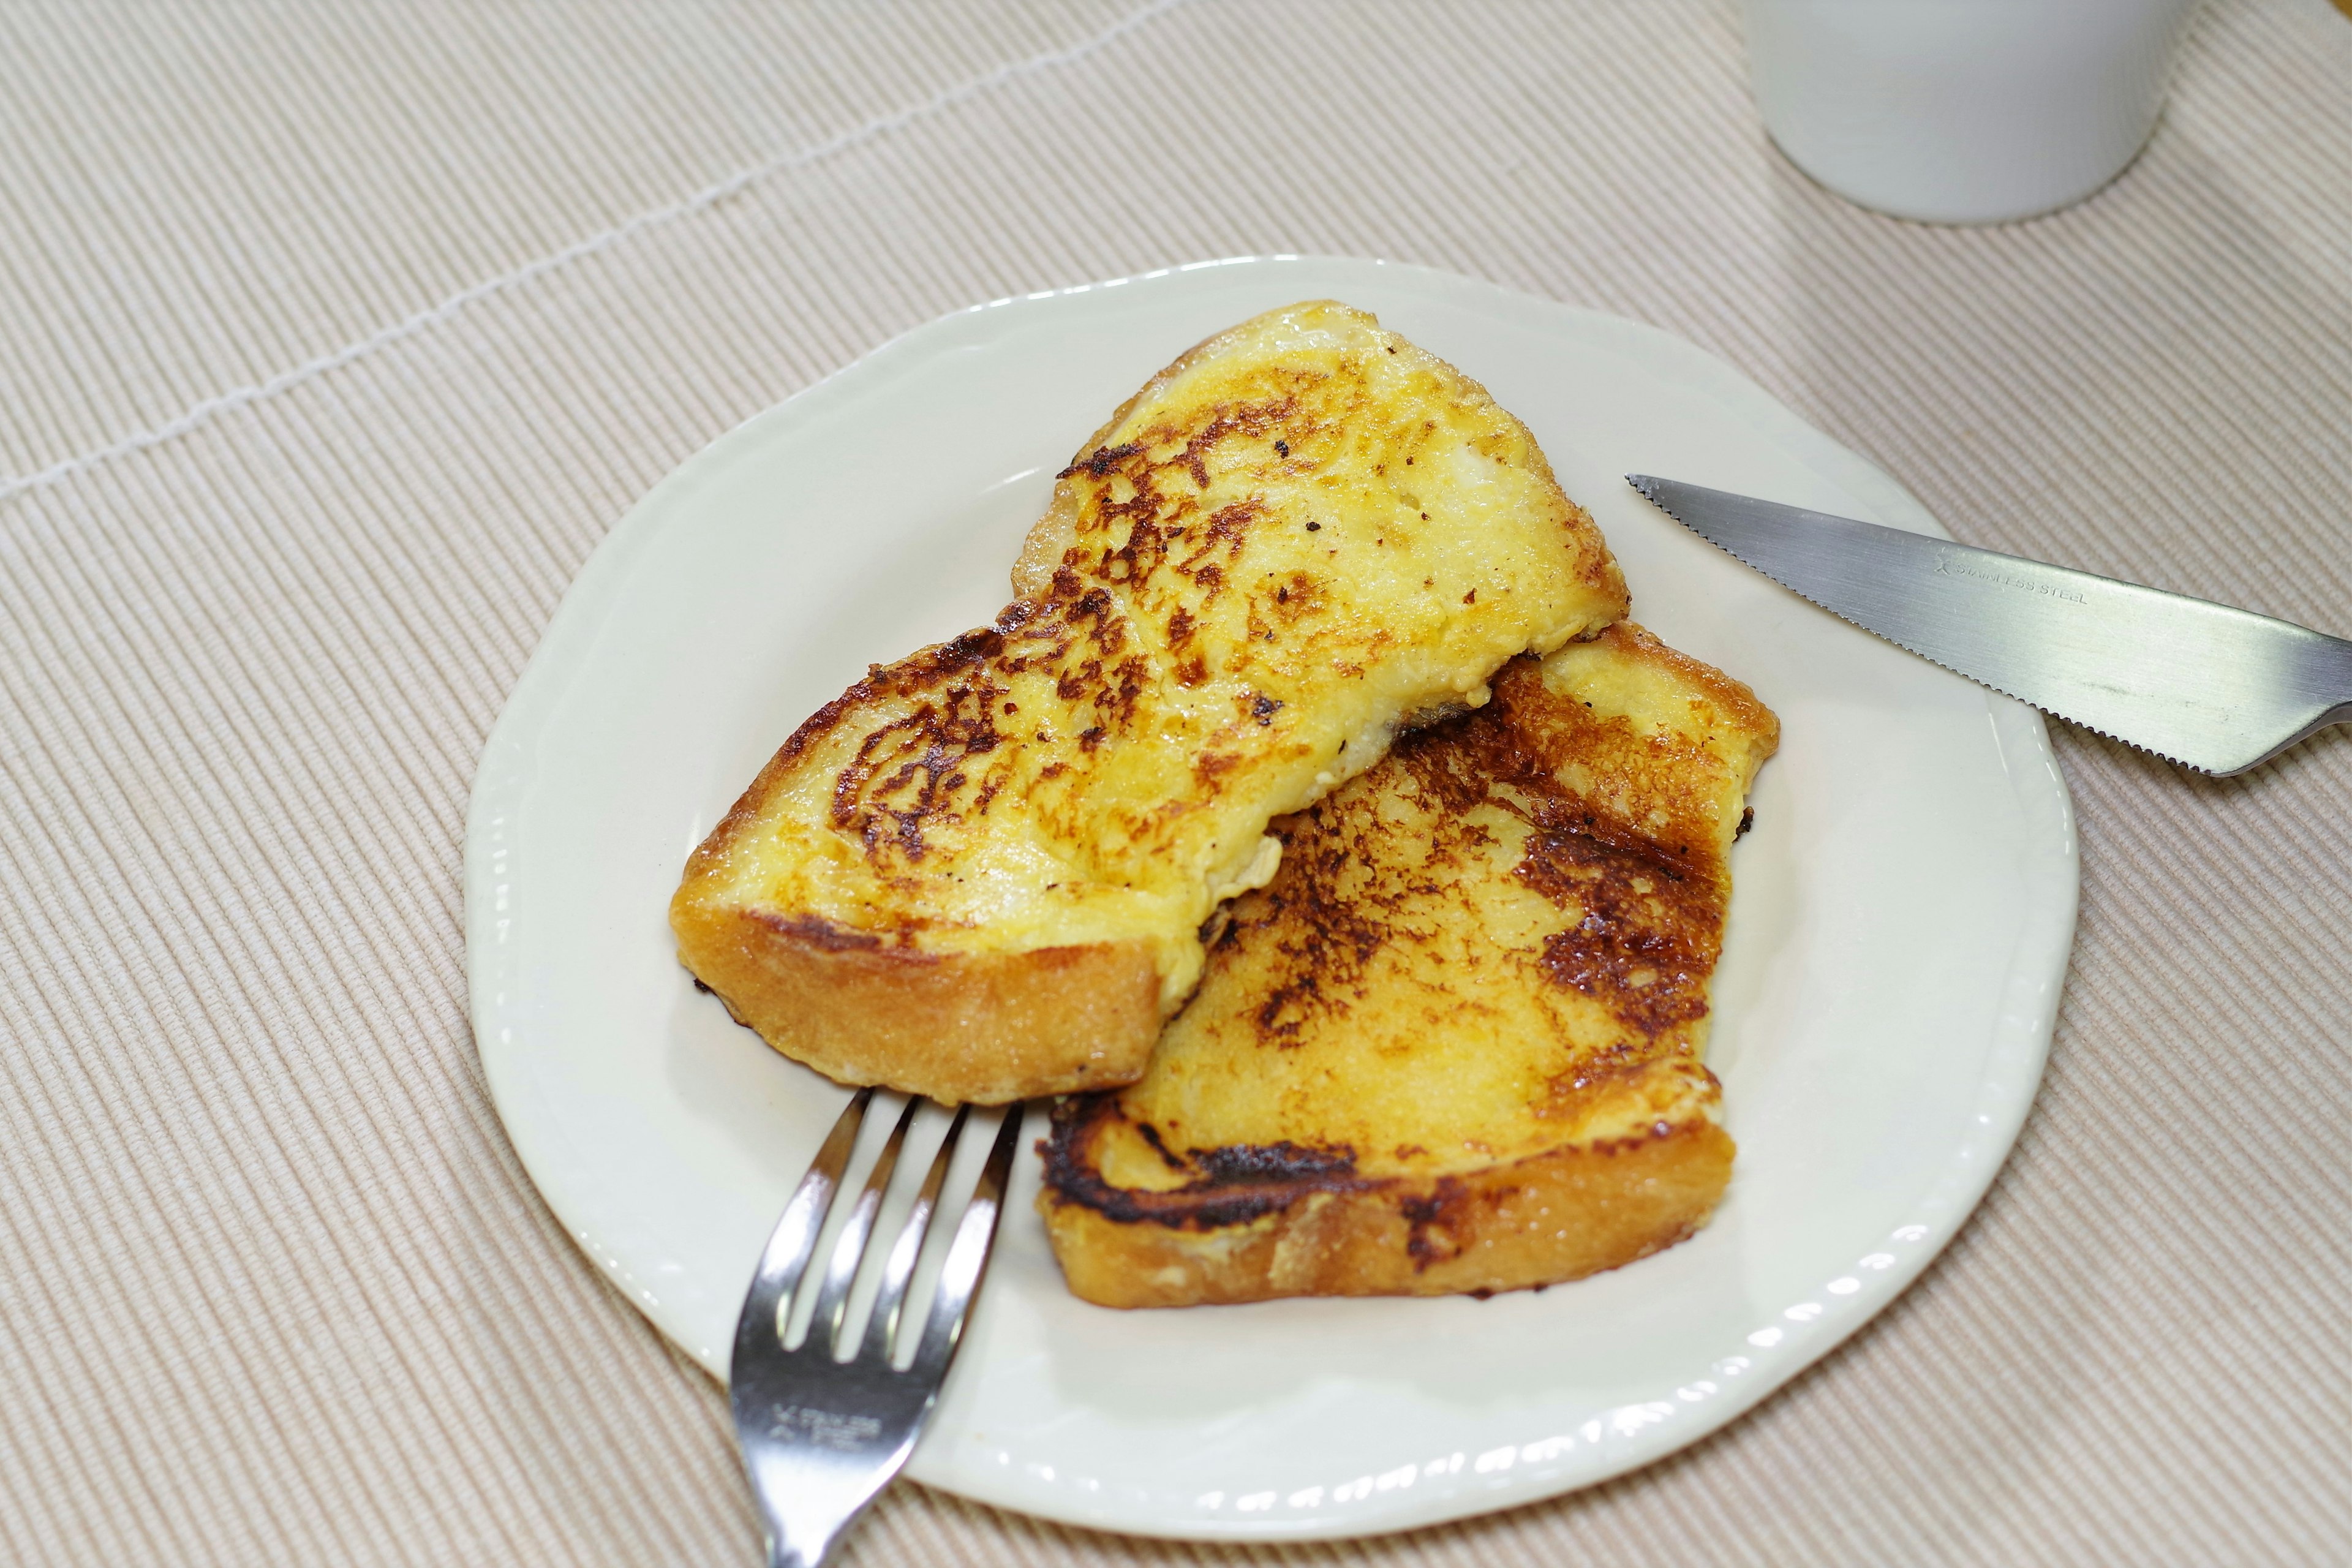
[{"x": 333, "y": 337}]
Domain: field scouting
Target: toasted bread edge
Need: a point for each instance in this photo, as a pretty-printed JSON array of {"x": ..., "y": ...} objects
[
  {"x": 1545, "y": 1219},
  {"x": 987, "y": 1028}
]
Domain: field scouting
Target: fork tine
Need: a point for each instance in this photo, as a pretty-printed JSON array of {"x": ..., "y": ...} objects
[
  {"x": 967, "y": 1259},
  {"x": 849, "y": 1249},
  {"x": 821, "y": 1435},
  {"x": 898, "y": 1272},
  {"x": 793, "y": 1241}
]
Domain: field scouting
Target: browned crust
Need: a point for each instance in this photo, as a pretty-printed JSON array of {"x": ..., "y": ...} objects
[
  {"x": 980, "y": 1027},
  {"x": 1541, "y": 1220}
]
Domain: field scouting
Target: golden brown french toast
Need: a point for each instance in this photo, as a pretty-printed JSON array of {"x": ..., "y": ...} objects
[
  {"x": 980, "y": 874},
  {"x": 1455, "y": 1043}
]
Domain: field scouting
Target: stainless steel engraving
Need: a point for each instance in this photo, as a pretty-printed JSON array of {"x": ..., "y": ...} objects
[
  {"x": 2217, "y": 689},
  {"x": 825, "y": 1424}
]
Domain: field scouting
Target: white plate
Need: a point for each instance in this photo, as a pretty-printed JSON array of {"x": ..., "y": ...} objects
[{"x": 1905, "y": 909}]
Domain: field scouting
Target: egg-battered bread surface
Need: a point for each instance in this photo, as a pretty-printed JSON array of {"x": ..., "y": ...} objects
[
  {"x": 981, "y": 873},
  {"x": 1454, "y": 1045}
]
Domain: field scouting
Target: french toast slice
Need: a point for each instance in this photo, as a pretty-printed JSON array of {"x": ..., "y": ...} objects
[
  {"x": 1454, "y": 1045},
  {"x": 980, "y": 874}
]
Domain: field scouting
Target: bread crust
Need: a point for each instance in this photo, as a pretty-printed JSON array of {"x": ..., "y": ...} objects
[
  {"x": 984, "y": 1028},
  {"x": 1547, "y": 1218}
]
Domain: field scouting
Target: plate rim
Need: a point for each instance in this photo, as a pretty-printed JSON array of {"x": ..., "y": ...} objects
[{"x": 2039, "y": 958}]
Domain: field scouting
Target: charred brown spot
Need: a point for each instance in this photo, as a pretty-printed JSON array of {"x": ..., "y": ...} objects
[
  {"x": 1158, "y": 1145},
  {"x": 1430, "y": 1221},
  {"x": 1235, "y": 1164},
  {"x": 1250, "y": 420},
  {"x": 1650, "y": 916},
  {"x": 1116, "y": 702},
  {"x": 1279, "y": 1017},
  {"x": 1229, "y": 525},
  {"x": 1102, "y": 461},
  {"x": 822, "y": 933},
  {"x": 1095, "y": 608},
  {"x": 1648, "y": 934},
  {"x": 1322, "y": 932},
  {"x": 1569, "y": 1096},
  {"x": 1298, "y": 596},
  {"x": 907, "y": 773},
  {"x": 1235, "y": 1185}
]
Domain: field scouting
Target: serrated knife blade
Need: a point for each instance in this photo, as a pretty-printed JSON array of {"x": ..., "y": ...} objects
[{"x": 2217, "y": 689}]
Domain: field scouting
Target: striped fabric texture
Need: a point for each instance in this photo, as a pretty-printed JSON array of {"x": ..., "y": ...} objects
[{"x": 333, "y": 336}]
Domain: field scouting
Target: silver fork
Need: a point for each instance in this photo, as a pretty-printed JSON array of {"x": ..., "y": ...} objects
[{"x": 826, "y": 1426}]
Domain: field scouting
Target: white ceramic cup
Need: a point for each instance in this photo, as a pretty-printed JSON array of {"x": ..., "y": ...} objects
[{"x": 1962, "y": 110}]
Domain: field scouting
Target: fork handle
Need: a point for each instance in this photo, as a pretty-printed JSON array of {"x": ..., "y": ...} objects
[{"x": 807, "y": 1505}]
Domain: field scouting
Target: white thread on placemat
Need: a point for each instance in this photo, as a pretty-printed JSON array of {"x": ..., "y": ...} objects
[{"x": 199, "y": 413}]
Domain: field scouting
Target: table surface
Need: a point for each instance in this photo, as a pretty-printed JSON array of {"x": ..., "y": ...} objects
[{"x": 334, "y": 337}]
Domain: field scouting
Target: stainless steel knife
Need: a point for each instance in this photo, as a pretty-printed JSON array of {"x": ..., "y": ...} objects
[{"x": 2219, "y": 690}]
